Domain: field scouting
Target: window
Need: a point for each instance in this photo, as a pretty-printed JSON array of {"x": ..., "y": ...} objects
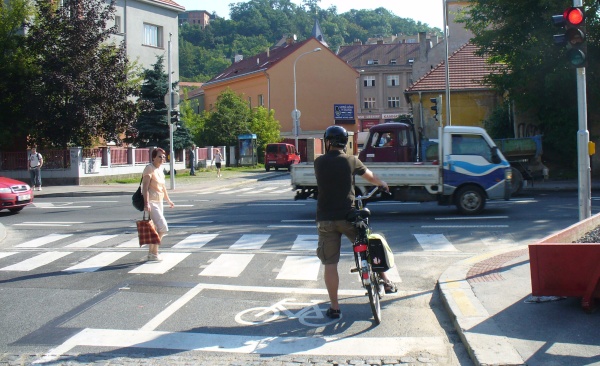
[
  {"x": 471, "y": 145},
  {"x": 369, "y": 81},
  {"x": 369, "y": 103},
  {"x": 153, "y": 35},
  {"x": 372, "y": 62},
  {"x": 118, "y": 24},
  {"x": 261, "y": 100},
  {"x": 393, "y": 61},
  {"x": 393, "y": 102},
  {"x": 393, "y": 80}
]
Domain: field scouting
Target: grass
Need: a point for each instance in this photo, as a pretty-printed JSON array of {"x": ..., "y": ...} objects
[{"x": 184, "y": 174}]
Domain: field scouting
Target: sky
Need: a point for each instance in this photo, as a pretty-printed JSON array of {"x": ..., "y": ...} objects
[{"x": 424, "y": 11}]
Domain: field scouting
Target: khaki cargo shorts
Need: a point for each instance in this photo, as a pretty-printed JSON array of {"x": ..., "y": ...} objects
[{"x": 330, "y": 239}]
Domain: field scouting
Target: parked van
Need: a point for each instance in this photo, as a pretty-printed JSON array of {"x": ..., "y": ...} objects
[{"x": 280, "y": 156}]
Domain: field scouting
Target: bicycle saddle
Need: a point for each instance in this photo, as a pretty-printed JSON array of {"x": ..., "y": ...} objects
[{"x": 358, "y": 214}]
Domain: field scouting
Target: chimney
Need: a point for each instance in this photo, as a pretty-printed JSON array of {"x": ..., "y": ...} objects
[
  {"x": 268, "y": 52},
  {"x": 238, "y": 58},
  {"x": 291, "y": 39},
  {"x": 357, "y": 42},
  {"x": 423, "y": 46}
]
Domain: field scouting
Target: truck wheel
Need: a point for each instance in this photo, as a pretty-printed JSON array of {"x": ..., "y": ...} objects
[
  {"x": 469, "y": 200},
  {"x": 267, "y": 168},
  {"x": 517, "y": 182}
]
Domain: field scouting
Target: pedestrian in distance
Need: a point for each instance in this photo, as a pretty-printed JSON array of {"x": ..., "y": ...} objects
[
  {"x": 335, "y": 172},
  {"x": 193, "y": 160},
  {"x": 217, "y": 158},
  {"x": 155, "y": 192},
  {"x": 34, "y": 165}
]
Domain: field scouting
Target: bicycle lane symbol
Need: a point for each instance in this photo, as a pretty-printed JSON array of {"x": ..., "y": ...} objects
[{"x": 311, "y": 315}]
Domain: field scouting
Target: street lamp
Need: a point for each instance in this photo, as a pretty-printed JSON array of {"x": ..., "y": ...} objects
[{"x": 296, "y": 112}]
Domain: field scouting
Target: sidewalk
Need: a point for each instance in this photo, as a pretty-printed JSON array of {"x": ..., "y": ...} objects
[{"x": 486, "y": 295}]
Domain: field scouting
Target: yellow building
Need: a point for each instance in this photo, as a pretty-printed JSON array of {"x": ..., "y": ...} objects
[
  {"x": 324, "y": 92},
  {"x": 471, "y": 100}
]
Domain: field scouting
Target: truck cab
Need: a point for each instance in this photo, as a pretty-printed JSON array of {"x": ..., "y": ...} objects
[{"x": 390, "y": 142}]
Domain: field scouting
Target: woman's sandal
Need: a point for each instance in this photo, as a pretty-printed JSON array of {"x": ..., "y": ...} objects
[{"x": 333, "y": 314}]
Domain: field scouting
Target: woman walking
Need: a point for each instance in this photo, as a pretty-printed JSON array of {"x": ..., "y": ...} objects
[
  {"x": 155, "y": 191},
  {"x": 217, "y": 158}
]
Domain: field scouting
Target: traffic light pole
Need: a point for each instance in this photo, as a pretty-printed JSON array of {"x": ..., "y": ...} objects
[
  {"x": 170, "y": 108},
  {"x": 583, "y": 139}
]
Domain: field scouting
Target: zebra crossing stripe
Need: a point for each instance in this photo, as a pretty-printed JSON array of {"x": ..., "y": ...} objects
[
  {"x": 38, "y": 242},
  {"x": 301, "y": 268},
  {"x": 6, "y": 254},
  {"x": 250, "y": 242},
  {"x": 435, "y": 243},
  {"x": 306, "y": 242},
  {"x": 35, "y": 262},
  {"x": 95, "y": 263},
  {"x": 131, "y": 243},
  {"x": 195, "y": 241},
  {"x": 88, "y": 242},
  {"x": 227, "y": 265},
  {"x": 169, "y": 260}
]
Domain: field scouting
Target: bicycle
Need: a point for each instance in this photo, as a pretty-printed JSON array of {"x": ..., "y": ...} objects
[{"x": 371, "y": 280}]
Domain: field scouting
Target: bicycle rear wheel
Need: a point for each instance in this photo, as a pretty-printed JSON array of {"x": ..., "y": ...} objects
[{"x": 374, "y": 296}]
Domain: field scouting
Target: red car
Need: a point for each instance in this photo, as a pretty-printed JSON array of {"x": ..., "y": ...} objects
[{"x": 14, "y": 194}]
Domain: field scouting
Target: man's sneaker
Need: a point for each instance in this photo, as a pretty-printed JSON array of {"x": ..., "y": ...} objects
[
  {"x": 333, "y": 314},
  {"x": 154, "y": 258},
  {"x": 39, "y": 188},
  {"x": 390, "y": 287}
]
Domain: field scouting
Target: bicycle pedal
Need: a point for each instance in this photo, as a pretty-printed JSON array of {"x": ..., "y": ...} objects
[{"x": 353, "y": 270}]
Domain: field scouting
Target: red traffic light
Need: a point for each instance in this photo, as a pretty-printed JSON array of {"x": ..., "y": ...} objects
[{"x": 574, "y": 16}]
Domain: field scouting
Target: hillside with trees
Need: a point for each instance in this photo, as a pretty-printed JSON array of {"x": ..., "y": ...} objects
[{"x": 257, "y": 25}]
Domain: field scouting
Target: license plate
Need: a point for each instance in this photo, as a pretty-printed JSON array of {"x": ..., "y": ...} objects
[
  {"x": 272, "y": 161},
  {"x": 25, "y": 197}
]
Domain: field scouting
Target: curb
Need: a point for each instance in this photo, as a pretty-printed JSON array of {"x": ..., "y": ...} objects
[{"x": 489, "y": 347}]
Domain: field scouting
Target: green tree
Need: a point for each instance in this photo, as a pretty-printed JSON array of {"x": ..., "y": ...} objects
[
  {"x": 81, "y": 90},
  {"x": 266, "y": 128},
  {"x": 518, "y": 36},
  {"x": 232, "y": 117},
  {"x": 15, "y": 71},
  {"x": 153, "y": 125}
]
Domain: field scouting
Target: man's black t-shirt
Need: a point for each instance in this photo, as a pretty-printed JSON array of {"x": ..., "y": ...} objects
[{"x": 334, "y": 171}]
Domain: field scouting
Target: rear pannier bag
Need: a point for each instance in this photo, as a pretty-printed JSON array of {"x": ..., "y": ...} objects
[{"x": 381, "y": 255}]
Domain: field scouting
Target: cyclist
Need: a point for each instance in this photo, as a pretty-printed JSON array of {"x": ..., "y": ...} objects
[{"x": 335, "y": 172}]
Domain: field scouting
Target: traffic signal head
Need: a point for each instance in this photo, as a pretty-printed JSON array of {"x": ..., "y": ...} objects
[
  {"x": 573, "y": 20},
  {"x": 174, "y": 116},
  {"x": 437, "y": 107}
]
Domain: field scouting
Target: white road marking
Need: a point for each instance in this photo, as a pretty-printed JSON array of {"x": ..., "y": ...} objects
[
  {"x": 35, "y": 262},
  {"x": 227, "y": 265},
  {"x": 38, "y": 242},
  {"x": 95, "y": 263},
  {"x": 6, "y": 254},
  {"x": 131, "y": 243},
  {"x": 301, "y": 268},
  {"x": 252, "y": 344},
  {"x": 306, "y": 242},
  {"x": 169, "y": 260},
  {"x": 195, "y": 241},
  {"x": 277, "y": 204},
  {"x": 171, "y": 309},
  {"x": 462, "y": 226},
  {"x": 471, "y": 218},
  {"x": 294, "y": 226},
  {"x": 191, "y": 224},
  {"x": 435, "y": 242},
  {"x": 250, "y": 242},
  {"x": 88, "y": 242}
]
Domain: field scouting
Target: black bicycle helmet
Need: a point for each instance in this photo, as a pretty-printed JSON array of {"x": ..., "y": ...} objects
[{"x": 336, "y": 135}]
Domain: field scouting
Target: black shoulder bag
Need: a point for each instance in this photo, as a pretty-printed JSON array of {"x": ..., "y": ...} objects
[{"x": 137, "y": 200}]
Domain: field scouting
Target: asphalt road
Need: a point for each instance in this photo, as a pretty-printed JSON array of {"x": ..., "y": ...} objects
[{"x": 239, "y": 277}]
